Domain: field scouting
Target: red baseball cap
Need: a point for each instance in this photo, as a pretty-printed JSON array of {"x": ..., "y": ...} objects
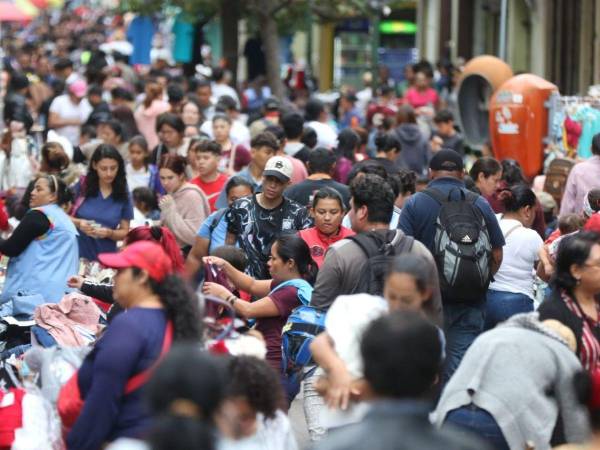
[{"x": 145, "y": 255}]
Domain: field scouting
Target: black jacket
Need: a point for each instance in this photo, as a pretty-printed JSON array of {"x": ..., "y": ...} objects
[
  {"x": 398, "y": 425},
  {"x": 554, "y": 307}
]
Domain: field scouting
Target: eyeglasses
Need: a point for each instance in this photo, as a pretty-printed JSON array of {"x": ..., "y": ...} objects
[{"x": 593, "y": 264}]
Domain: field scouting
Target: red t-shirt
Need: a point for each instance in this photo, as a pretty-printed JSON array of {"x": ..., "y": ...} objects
[
  {"x": 319, "y": 243},
  {"x": 286, "y": 300},
  {"x": 211, "y": 189}
]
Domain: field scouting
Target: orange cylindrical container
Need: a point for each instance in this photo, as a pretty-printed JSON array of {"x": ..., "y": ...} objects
[{"x": 519, "y": 121}]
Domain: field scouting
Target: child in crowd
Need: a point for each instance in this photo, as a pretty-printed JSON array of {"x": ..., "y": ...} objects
[
  {"x": 445, "y": 135},
  {"x": 140, "y": 173},
  {"x": 252, "y": 415},
  {"x": 209, "y": 179},
  {"x": 145, "y": 207}
]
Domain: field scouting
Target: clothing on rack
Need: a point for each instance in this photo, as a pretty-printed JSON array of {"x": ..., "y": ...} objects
[{"x": 573, "y": 122}]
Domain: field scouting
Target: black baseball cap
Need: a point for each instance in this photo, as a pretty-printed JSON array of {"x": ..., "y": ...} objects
[
  {"x": 447, "y": 159},
  {"x": 271, "y": 104}
]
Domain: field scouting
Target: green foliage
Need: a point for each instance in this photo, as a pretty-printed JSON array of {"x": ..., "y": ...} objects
[{"x": 146, "y": 7}]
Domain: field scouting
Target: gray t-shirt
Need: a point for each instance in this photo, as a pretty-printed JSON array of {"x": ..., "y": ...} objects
[{"x": 343, "y": 265}]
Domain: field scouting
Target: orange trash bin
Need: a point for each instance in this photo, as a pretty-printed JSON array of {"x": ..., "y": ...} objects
[
  {"x": 519, "y": 121},
  {"x": 479, "y": 80}
]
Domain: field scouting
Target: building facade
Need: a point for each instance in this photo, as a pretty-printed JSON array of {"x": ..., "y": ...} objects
[{"x": 556, "y": 39}]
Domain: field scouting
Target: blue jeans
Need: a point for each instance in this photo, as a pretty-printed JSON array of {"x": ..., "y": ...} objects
[
  {"x": 502, "y": 305},
  {"x": 478, "y": 421},
  {"x": 462, "y": 324}
]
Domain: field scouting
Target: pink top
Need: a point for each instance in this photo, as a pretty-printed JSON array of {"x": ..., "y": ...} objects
[
  {"x": 583, "y": 177},
  {"x": 145, "y": 118},
  {"x": 299, "y": 172},
  {"x": 417, "y": 99}
]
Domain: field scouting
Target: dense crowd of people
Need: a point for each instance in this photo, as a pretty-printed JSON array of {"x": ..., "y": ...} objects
[{"x": 218, "y": 254}]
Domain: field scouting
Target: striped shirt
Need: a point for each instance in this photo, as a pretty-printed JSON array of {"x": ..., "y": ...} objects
[{"x": 589, "y": 347}]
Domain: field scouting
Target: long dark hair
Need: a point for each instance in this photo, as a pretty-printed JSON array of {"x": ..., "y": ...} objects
[
  {"x": 487, "y": 165},
  {"x": 348, "y": 141},
  {"x": 180, "y": 304},
  {"x": 292, "y": 246},
  {"x": 517, "y": 197},
  {"x": 120, "y": 191}
]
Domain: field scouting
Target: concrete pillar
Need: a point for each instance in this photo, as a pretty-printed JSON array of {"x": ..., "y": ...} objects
[
  {"x": 540, "y": 41},
  {"x": 325, "y": 66},
  {"x": 428, "y": 19},
  {"x": 586, "y": 46},
  {"x": 518, "y": 42}
]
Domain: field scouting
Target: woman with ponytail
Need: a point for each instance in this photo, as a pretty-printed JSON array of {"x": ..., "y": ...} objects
[
  {"x": 511, "y": 292},
  {"x": 106, "y": 389},
  {"x": 293, "y": 271},
  {"x": 43, "y": 247},
  {"x": 104, "y": 291}
]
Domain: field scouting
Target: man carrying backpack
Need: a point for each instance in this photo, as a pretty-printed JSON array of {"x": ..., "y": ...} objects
[
  {"x": 358, "y": 264},
  {"x": 461, "y": 231}
]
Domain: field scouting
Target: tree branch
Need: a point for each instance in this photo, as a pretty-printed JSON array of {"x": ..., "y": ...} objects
[{"x": 280, "y": 6}]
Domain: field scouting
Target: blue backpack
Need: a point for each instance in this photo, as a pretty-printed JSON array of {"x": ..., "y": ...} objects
[{"x": 303, "y": 324}]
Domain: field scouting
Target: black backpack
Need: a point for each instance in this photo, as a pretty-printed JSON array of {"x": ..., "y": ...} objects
[
  {"x": 380, "y": 249},
  {"x": 462, "y": 248}
]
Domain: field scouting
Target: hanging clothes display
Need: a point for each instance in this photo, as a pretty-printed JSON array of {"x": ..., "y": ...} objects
[
  {"x": 140, "y": 33},
  {"x": 183, "y": 31},
  {"x": 573, "y": 122}
]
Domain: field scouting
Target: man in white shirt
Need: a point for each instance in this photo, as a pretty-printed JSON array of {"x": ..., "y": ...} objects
[
  {"x": 316, "y": 118},
  {"x": 69, "y": 111},
  {"x": 220, "y": 86}
]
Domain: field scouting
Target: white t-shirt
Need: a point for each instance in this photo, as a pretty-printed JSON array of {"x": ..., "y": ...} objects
[
  {"x": 239, "y": 134},
  {"x": 326, "y": 135},
  {"x": 220, "y": 89},
  {"x": 346, "y": 320},
  {"x": 66, "y": 109},
  {"x": 137, "y": 178},
  {"x": 516, "y": 273},
  {"x": 271, "y": 434}
]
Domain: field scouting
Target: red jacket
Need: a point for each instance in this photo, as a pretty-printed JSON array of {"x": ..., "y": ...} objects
[{"x": 319, "y": 243}]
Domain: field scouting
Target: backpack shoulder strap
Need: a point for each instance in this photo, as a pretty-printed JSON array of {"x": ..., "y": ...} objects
[
  {"x": 367, "y": 244},
  {"x": 405, "y": 244},
  {"x": 217, "y": 219},
  {"x": 509, "y": 232},
  {"x": 435, "y": 194},
  {"x": 471, "y": 196},
  {"x": 137, "y": 381}
]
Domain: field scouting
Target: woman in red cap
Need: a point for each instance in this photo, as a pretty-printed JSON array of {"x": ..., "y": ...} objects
[
  {"x": 159, "y": 309},
  {"x": 104, "y": 291}
]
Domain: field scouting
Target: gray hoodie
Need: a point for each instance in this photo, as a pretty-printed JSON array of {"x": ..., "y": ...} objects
[
  {"x": 522, "y": 374},
  {"x": 414, "y": 153}
]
